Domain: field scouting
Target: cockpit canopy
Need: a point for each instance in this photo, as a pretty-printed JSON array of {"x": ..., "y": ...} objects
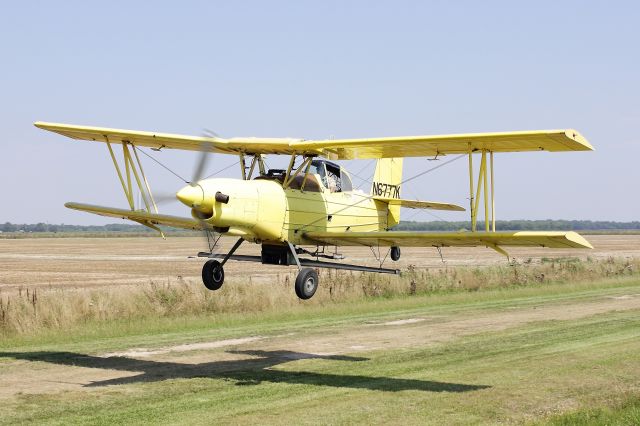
[
  {"x": 322, "y": 173},
  {"x": 332, "y": 176}
]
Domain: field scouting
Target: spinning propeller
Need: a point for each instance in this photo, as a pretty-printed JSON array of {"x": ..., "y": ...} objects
[
  {"x": 187, "y": 195},
  {"x": 193, "y": 194}
]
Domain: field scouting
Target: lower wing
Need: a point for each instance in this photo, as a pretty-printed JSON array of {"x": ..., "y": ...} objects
[
  {"x": 152, "y": 220},
  {"x": 551, "y": 239},
  {"x": 140, "y": 216}
]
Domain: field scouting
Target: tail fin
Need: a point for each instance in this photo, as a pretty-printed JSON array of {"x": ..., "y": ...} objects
[{"x": 386, "y": 183}]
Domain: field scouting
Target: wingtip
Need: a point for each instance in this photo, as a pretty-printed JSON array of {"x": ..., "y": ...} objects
[
  {"x": 574, "y": 135},
  {"x": 578, "y": 240},
  {"x": 46, "y": 125},
  {"x": 73, "y": 206}
]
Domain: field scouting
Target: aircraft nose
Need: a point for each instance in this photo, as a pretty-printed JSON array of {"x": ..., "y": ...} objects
[{"x": 192, "y": 196}]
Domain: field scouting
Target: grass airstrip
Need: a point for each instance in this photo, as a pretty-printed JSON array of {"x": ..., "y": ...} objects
[{"x": 553, "y": 342}]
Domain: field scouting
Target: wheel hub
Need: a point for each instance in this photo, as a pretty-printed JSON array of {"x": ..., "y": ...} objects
[
  {"x": 309, "y": 285},
  {"x": 217, "y": 276}
]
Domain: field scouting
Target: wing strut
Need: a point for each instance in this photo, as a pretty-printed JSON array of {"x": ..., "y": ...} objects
[
  {"x": 499, "y": 249},
  {"x": 136, "y": 169},
  {"x": 483, "y": 188}
]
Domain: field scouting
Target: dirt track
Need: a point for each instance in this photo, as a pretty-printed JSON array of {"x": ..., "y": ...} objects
[
  {"x": 62, "y": 371},
  {"x": 88, "y": 262}
]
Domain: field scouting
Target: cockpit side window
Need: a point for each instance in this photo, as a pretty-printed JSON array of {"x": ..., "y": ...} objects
[
  {"x": 346, "y": 184},
  {"x": 334, "y": 183},
  {"x": 317, "y": 167},
  {"x": 333, "y": 177}
]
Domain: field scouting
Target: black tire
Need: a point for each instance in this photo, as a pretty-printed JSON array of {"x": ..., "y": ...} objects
[
  {"x": 306, "y": 283},
  {"x": 212, "y": 275},
  {"x": 395, "y": 253}
]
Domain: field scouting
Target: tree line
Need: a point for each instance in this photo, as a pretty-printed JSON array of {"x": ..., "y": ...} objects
[
  {"x": 501, "y": 225},
  {"x": 48, "y": 227}
]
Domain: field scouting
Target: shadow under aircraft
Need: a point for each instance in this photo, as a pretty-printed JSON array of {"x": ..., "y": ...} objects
[{"x": 248, "y": 371}]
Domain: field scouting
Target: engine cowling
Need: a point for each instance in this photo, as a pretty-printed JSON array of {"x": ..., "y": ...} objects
[{"x": 256, "y": 206}]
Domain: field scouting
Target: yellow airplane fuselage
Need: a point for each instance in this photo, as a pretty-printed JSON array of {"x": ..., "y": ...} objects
[{"x": 264, "y": 211}]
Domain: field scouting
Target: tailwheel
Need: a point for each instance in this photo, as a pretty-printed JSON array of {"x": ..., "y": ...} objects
[
  {"x": 212, "y": 275},
  {"x": 395, "y": 253},
  {"x": 306, "y": 283}
]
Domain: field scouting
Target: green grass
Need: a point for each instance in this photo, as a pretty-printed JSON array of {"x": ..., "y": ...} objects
[
  {"x": 487, "y": 378},
  {"x": 624, "y": 413},
  {"x": 554, "y": 371}
]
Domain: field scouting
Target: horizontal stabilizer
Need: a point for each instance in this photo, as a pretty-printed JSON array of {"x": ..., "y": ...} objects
[
  {"x": 550, "y": 239},
  {"x": 415, "y": 204}
]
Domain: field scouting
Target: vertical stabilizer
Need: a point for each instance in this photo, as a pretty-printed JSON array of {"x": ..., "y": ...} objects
[{"x": 386, "y": 183}]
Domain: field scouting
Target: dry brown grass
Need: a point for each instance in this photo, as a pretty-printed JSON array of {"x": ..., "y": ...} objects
[
  {"x": 32, "y": 310},
  {"x": 109, "y": 262}
]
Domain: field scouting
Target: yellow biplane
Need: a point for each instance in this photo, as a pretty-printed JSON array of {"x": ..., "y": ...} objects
[{"x": 313, "y": 203}]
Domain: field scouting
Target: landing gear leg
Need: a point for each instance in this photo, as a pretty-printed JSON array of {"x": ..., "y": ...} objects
[
  {"x": 213, "y": 272},
  {"x": 307, "y": 279}
]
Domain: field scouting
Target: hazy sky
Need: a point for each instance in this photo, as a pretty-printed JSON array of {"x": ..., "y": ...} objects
[{"x": 320, "y": 69}]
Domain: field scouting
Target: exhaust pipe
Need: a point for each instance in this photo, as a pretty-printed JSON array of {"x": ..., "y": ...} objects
[{"x": 222, "y": 198}]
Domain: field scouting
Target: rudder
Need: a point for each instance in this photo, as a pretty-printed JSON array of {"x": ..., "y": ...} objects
[{"x": 386, "y": 183}]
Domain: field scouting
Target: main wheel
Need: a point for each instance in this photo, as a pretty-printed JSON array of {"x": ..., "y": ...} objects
[
  {"x": 395, "y": 253},
  {"x": 306, "y": 283},
  {"x": 212, "y": 275}
]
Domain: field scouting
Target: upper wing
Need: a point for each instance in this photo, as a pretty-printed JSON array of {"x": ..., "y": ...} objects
[
  {"x": 415, "y": 204},
  {"x": 172, "y": 141},
  {"x": 549, "y": 239},
  {"x": 428, "y": 146},
  {"x": 412, "y": 146}
]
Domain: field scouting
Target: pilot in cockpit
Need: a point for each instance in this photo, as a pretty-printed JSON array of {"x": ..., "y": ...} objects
[{"x": 333, "y": 177}]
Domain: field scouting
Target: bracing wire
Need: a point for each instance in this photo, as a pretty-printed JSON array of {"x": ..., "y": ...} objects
[
  {"x": 433, "y": 168},
  {"x": 220, "y": 171},
  {"x": 419, "y": 211},
  {"x": 162, "y": 165},
  {"x": 364, "y": 197},
  {"x": 176, "y": 174},
  {"x": 369, "y": 197},
  {"x": 357, "y": 174}
]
